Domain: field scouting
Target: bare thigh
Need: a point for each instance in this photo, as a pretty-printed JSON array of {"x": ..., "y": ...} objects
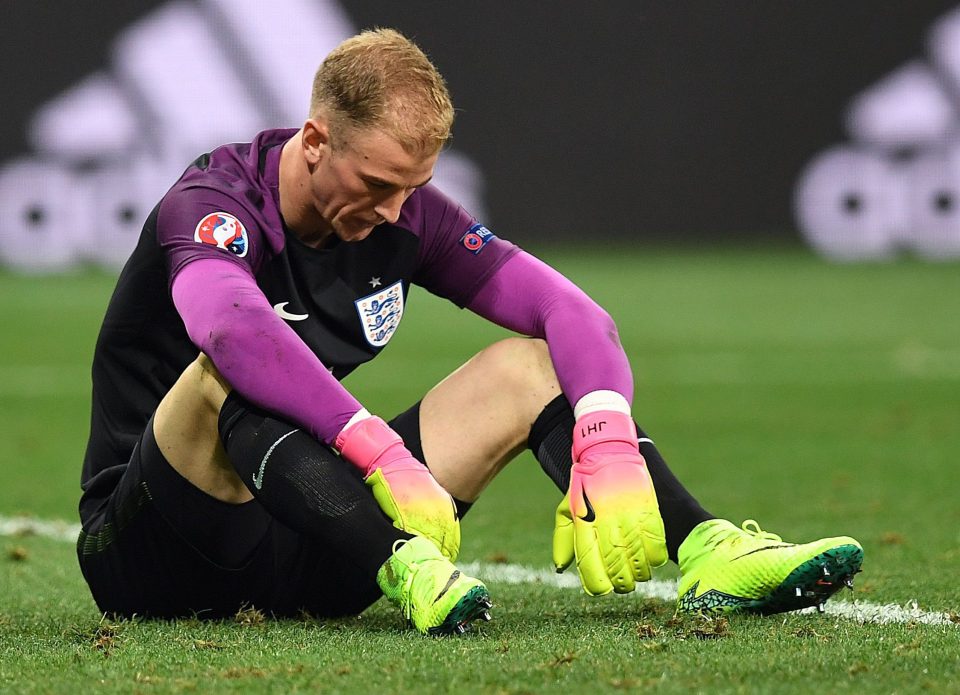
[{"x": 185, "y": 427}]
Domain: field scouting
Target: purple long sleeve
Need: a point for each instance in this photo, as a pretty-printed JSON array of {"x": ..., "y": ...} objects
[
  {"x": 230, "y": 320},
  {"x": 529, "y": 297}
]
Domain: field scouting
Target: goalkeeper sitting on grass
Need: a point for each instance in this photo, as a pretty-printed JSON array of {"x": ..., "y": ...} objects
[{"x": 227, "y": 466}]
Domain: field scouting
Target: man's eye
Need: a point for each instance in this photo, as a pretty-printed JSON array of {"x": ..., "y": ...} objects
[{"x": 381, "y": 185}]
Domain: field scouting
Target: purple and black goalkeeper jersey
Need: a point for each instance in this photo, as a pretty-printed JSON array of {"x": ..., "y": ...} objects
[{"x": 344, "y": 301}]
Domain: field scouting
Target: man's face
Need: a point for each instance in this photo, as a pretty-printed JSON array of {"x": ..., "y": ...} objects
[{"x": 365, "y": 181}]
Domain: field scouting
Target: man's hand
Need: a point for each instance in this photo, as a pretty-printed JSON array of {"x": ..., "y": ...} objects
[
  {"x": 402, "y": 486},
  {"x": 609, "y": 520}
]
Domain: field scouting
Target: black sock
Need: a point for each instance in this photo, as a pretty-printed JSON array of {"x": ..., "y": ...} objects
[
  {"x": 305, "y": 485},
  {"x": 407, "y": 425},
  {"x": 551, "y": 439}
]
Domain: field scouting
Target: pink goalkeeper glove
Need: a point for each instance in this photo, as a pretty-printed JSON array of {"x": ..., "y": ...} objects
[
  {"x": 609, "y": 520},
  {"x": 402, "y": 486}
]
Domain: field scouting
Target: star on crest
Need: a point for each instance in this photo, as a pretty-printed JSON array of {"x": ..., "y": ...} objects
[{"x": 375, "y": 282}]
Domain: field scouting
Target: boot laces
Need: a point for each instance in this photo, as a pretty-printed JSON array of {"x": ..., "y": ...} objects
[{"x": 753, "y": 528}]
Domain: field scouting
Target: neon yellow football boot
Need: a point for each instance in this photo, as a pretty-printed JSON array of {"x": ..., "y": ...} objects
[
  {"x": 726, "y": 569},
  {"x": 433, "y": 594}
]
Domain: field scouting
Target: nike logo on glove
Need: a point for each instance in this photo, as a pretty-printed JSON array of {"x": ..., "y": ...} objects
[{"x": 590, "y": 516}]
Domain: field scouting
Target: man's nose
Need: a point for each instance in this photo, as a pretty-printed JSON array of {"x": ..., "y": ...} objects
[{"x": 389, "y": 208}]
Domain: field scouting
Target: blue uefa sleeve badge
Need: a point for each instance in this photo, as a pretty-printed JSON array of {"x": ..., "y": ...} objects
[{"x": 476, "y": 238}]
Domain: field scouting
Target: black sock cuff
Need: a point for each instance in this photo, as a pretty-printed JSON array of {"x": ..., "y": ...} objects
[
  {"x": 554, "y": 415},
  {"x": 551, "y": 438},
  {"x": 233, "y": 408},
  {"x": 462, "y": 507}
]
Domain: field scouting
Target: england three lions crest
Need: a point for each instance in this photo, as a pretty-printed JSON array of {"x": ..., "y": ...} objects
[{"x": 380, "y": 313}]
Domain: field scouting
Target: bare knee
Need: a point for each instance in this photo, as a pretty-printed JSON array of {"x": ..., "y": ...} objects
[
  {"x": 517, "y": 375},
  {"x": 521, "y": 367}
]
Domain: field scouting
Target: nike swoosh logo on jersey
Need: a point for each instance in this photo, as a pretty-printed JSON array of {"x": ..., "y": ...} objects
[
  {"x": 286, "y": 315},
  {"x": 590, "y": 516},
  {"x": 258, "y": 478}
]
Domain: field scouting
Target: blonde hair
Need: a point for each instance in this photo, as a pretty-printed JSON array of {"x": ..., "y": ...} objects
[{"x": 380, "y": 78}]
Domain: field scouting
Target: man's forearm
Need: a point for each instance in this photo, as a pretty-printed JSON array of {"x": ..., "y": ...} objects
[
  {"x": 230, "y": 320},
  {"x": 528, "y": 296}
]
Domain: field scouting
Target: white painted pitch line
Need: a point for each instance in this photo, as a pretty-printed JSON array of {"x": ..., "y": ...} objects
[
  {"x": 31, "y": 526},
  {"x": 858, "y": 611},
  {"x": 518, "y": 574}
]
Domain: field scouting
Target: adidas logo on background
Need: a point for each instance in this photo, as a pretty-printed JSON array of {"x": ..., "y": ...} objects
[
  {"x": 897, "y": 185},
  {"x": 190, "y": 76}
]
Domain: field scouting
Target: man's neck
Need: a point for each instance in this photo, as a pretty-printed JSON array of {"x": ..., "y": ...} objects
[{"x": 295, "y": 208}]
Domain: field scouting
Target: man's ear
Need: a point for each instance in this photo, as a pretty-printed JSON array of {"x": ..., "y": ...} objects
[{"x": 316, "y": 140}]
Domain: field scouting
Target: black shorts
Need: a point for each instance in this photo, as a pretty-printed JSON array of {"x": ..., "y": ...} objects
[{"x": 154, "y": 545}]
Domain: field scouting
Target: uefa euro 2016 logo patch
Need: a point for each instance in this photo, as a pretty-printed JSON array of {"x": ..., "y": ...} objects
[
  {"x": 380, "y": 313},
  {"x": 224, "y": 231},
  {"x": 476, "y": 238}
]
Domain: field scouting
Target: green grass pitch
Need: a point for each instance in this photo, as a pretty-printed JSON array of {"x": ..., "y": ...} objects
[{"x": 818, "y": 399}]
